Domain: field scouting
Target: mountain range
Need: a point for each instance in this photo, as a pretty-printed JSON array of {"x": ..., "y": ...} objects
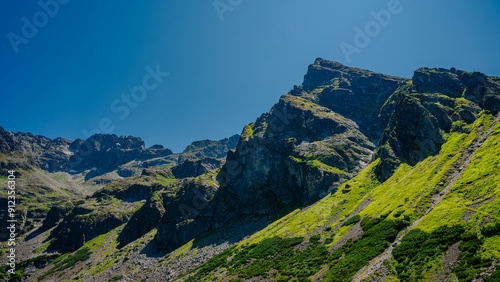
[{"x": 351, "y": 176}]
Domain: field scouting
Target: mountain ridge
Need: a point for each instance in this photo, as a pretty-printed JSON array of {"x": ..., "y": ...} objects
[{"x": 330, "y": 184}]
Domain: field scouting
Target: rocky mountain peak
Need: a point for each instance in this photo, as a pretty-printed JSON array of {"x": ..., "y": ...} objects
[{"x": 209, "y": 148}]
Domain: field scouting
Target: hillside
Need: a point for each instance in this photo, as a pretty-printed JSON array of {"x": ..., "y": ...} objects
[{"x": 351, "y": 176}]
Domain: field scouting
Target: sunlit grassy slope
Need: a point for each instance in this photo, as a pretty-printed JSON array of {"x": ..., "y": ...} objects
[{"x": 308, "y": 244}]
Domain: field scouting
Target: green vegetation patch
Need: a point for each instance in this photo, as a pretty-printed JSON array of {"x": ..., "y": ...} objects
[
  {"x": 491, "y": 230},
  {"x": 247, "y": 131},
  {"x": 67, "y": 261},
  {"x": 19, "y": 273},
  {"x": 378, "y": 234},
  {"x": 166, "y": 181},
  {"x": 418, "y": 248},
  {"x": 353, "y": 220},
  {"x": 291, "y": 259},
  {"x": 116, "y": 278},
  {"x": 324, "y": 167},
  {"x": 494, "y": 277},
  {"x": 470, "y": 261},
  {"x": 480, "y": 180},
  {"x": 275, "y": 257}
]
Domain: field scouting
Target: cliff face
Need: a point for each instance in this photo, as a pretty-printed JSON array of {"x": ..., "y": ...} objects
[
  {"x": 316, "y": 137},
  {"x": 296, "y": 152},
  {"x": 324, "y": 132},
  {"x": 419, "y": 114},
  {"x": 351, "y": 92}
]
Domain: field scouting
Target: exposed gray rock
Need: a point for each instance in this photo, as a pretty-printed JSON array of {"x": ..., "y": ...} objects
[
  {"x": 438, "y": 81},
  {"x": 188, "y": 212},
  {"x": 354, "y": 93},
  {"x": 208, "y": 149},
  {"x": 147, "y": 218},
  {"x": 296, "y": 152},
  {"x": 193, "y": 168},
  {"x": 56, "y": 214},
  {"x": 86, "y": 222}
]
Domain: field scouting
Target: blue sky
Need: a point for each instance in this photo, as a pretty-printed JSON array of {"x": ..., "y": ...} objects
[{"x": 225, "y": 68}]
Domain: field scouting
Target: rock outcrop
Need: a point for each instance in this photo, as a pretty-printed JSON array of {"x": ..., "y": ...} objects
[
  {"x": 188, "y": 212},
  {"x": 209, "y": 149},
  {"x": 88, "y": 221},
  {"x": 145, "y": 219},
  {"x": 473, "y": 86},
  {"x": 354, "y": 93},
  {"x": 296, "y": 152},
  {"x": 193, "y": 168},
  {"x": 56, "y": 214}
]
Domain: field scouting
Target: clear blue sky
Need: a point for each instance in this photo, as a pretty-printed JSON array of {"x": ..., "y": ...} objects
[{"x": 223, "y": 74}]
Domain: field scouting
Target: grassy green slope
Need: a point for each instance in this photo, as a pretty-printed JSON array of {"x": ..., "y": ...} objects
[{"x": 444, "y": 200}]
